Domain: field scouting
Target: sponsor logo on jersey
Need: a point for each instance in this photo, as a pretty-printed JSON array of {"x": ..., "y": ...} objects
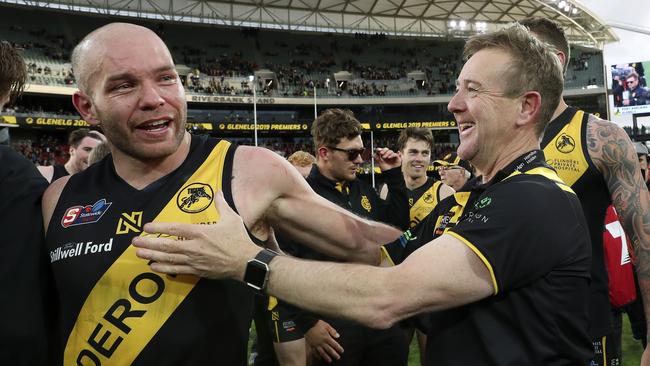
[
  {"x": 80, "y": 215},
  {"x": 129, "y": 222},
  {"x": 565, "y": 143},
  {"x": 444, "y": 222},
  {"x": 484, "y": 202},
  {"x": 428, "y": 197},
  {"x": 194, "y": 197},
  {"x": 71, "y": 250},
  {"x": 406, "y": 237}
]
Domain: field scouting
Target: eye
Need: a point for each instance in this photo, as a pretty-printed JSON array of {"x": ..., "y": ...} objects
[
  {"x": 168, "y": 78},
  {"x": 122, "y": 86}
]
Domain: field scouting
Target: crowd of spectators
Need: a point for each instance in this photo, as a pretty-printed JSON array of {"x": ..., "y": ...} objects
[
  {"x": 298, "y": 64},
  {"x": 46, "y": 150}
]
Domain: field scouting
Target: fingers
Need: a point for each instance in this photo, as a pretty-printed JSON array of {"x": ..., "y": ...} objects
[
  {"x": 331, "y": 331},
  {"x": 162, "y": 257},
  {"x": 330, "y": 353},
  {"x": 173, "y": 269},
  {"x": 166, "y": 244},
  {"x": 336, "y": 347},
  {"x": 168, "y": 229},
  {"x": 320, "y": 351}
]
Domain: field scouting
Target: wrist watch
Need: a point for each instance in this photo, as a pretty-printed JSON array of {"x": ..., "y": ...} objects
[{"x": 257, "y": 270}]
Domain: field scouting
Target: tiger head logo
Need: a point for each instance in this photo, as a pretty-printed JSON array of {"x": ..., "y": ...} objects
[{"x": 565, "y": 143}]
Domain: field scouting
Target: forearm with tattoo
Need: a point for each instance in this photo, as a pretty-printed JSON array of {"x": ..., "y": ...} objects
[{"x": 612, "y": 151}]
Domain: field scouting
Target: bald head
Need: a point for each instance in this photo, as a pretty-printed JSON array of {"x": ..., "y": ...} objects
[{"x": 87, "y": 56}]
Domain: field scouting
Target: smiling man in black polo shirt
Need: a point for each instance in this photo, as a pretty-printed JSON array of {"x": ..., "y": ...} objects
[{"x": 508, "y": 282}]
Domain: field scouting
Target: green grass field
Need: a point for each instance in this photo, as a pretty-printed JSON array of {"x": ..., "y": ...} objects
[{"x": 631, "y": 348}]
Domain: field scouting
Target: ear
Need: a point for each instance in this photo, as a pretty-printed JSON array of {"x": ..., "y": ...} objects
[
  {"x": 323, "y": 153},
  {"x": 84, "y": 106},
  {"x": 531, "y": 104},
  {"x": 562, "y": 56}
]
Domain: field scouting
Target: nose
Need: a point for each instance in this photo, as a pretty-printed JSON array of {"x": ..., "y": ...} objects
[
  {"x": 358, "y": 159},
  {"x": 150, "y": 98},
  {"x": 456, "y": 104}
]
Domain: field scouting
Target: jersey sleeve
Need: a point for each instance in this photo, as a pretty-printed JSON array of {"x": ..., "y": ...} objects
[{"x": 521, "y": 230}]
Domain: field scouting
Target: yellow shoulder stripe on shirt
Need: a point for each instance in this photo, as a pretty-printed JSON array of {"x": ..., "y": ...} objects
[
  {"x": 548, "y": 173},
  {"x": 481, "y": 256}
]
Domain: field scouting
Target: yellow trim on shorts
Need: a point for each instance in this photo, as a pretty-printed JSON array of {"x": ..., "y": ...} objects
[
  {"x": 606, "y": 361},
  {"x": 480, "y": 255}
]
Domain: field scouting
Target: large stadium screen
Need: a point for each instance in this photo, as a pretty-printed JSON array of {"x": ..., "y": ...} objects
[{"x": 630, "y": 93}]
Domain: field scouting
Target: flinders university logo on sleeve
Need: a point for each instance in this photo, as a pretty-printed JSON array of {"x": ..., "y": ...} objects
[
  {"x": 80, "y": 215},
  {"x": 194, "y": 197}
]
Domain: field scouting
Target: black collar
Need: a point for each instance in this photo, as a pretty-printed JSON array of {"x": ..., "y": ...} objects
[
  {"x": 525, "y": 162},
  {"x": 317, "y": 177}
]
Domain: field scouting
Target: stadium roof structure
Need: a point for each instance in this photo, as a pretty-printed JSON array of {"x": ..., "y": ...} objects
[{"x": 424, "y": 18}]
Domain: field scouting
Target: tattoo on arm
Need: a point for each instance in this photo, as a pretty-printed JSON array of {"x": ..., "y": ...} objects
[{"x": 612, "y": 152}]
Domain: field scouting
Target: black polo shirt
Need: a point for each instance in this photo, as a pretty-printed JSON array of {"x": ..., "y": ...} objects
[{"x": 528, "y": 229}]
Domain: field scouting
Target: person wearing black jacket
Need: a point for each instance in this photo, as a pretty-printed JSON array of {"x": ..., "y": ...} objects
[
  {"x": 339, "y": 149},
  {"x": 26, "y": 280}
]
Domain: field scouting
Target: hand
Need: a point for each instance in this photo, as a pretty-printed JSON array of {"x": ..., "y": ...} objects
[
  {"x": 321, "y": 340},
  {"x": 214, "y": 251},
  {"x": 645, "y": 357},
  {"x": 387, "y": 159}
]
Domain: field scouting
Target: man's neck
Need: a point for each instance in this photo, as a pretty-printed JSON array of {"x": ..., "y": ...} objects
[
  {"x": 414, "y": 182},
  {"x": 140, "y": 173},
  {"x": 561, "y": 107},
  {"x": 327, "y": 174},
  {"x": 518, "y": 148},
  {"x": 70, "y": 166}
]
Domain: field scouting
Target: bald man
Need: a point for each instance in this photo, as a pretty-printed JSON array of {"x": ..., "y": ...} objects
[{"x": 115, "y": 310}]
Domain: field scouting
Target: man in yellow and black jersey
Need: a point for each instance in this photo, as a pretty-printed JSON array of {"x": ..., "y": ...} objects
[
  {"x": 114, "y": 309},
  {"x": 424, "y": 193},
  {"x": 507, "y": 284},
  {"x": 597, "y": 159}
]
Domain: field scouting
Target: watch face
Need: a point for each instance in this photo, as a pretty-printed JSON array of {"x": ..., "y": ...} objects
[{"x": 255, "y": 274}]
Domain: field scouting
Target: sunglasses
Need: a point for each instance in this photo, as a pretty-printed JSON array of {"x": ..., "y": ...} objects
[{"x": 352, "y": 153}]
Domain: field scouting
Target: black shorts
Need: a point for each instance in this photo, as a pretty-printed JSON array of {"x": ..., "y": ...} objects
[{"x": 282, "y": 322}]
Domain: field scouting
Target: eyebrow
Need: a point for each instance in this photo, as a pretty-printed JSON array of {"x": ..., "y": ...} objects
[
  {"x": 128, "y": 75},
  {"x": 467, "y": 81}
]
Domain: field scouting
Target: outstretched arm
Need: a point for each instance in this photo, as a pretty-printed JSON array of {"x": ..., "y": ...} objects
[
  {"x": 267, "y": 188},
  {"x": 612, "y": 151},
  {"x": 442, "y": 274}
]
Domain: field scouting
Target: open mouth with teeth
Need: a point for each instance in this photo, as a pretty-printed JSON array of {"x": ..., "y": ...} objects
[
  {"x": 465, "y": 126},
  {"x": 155, "y": 126}
]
